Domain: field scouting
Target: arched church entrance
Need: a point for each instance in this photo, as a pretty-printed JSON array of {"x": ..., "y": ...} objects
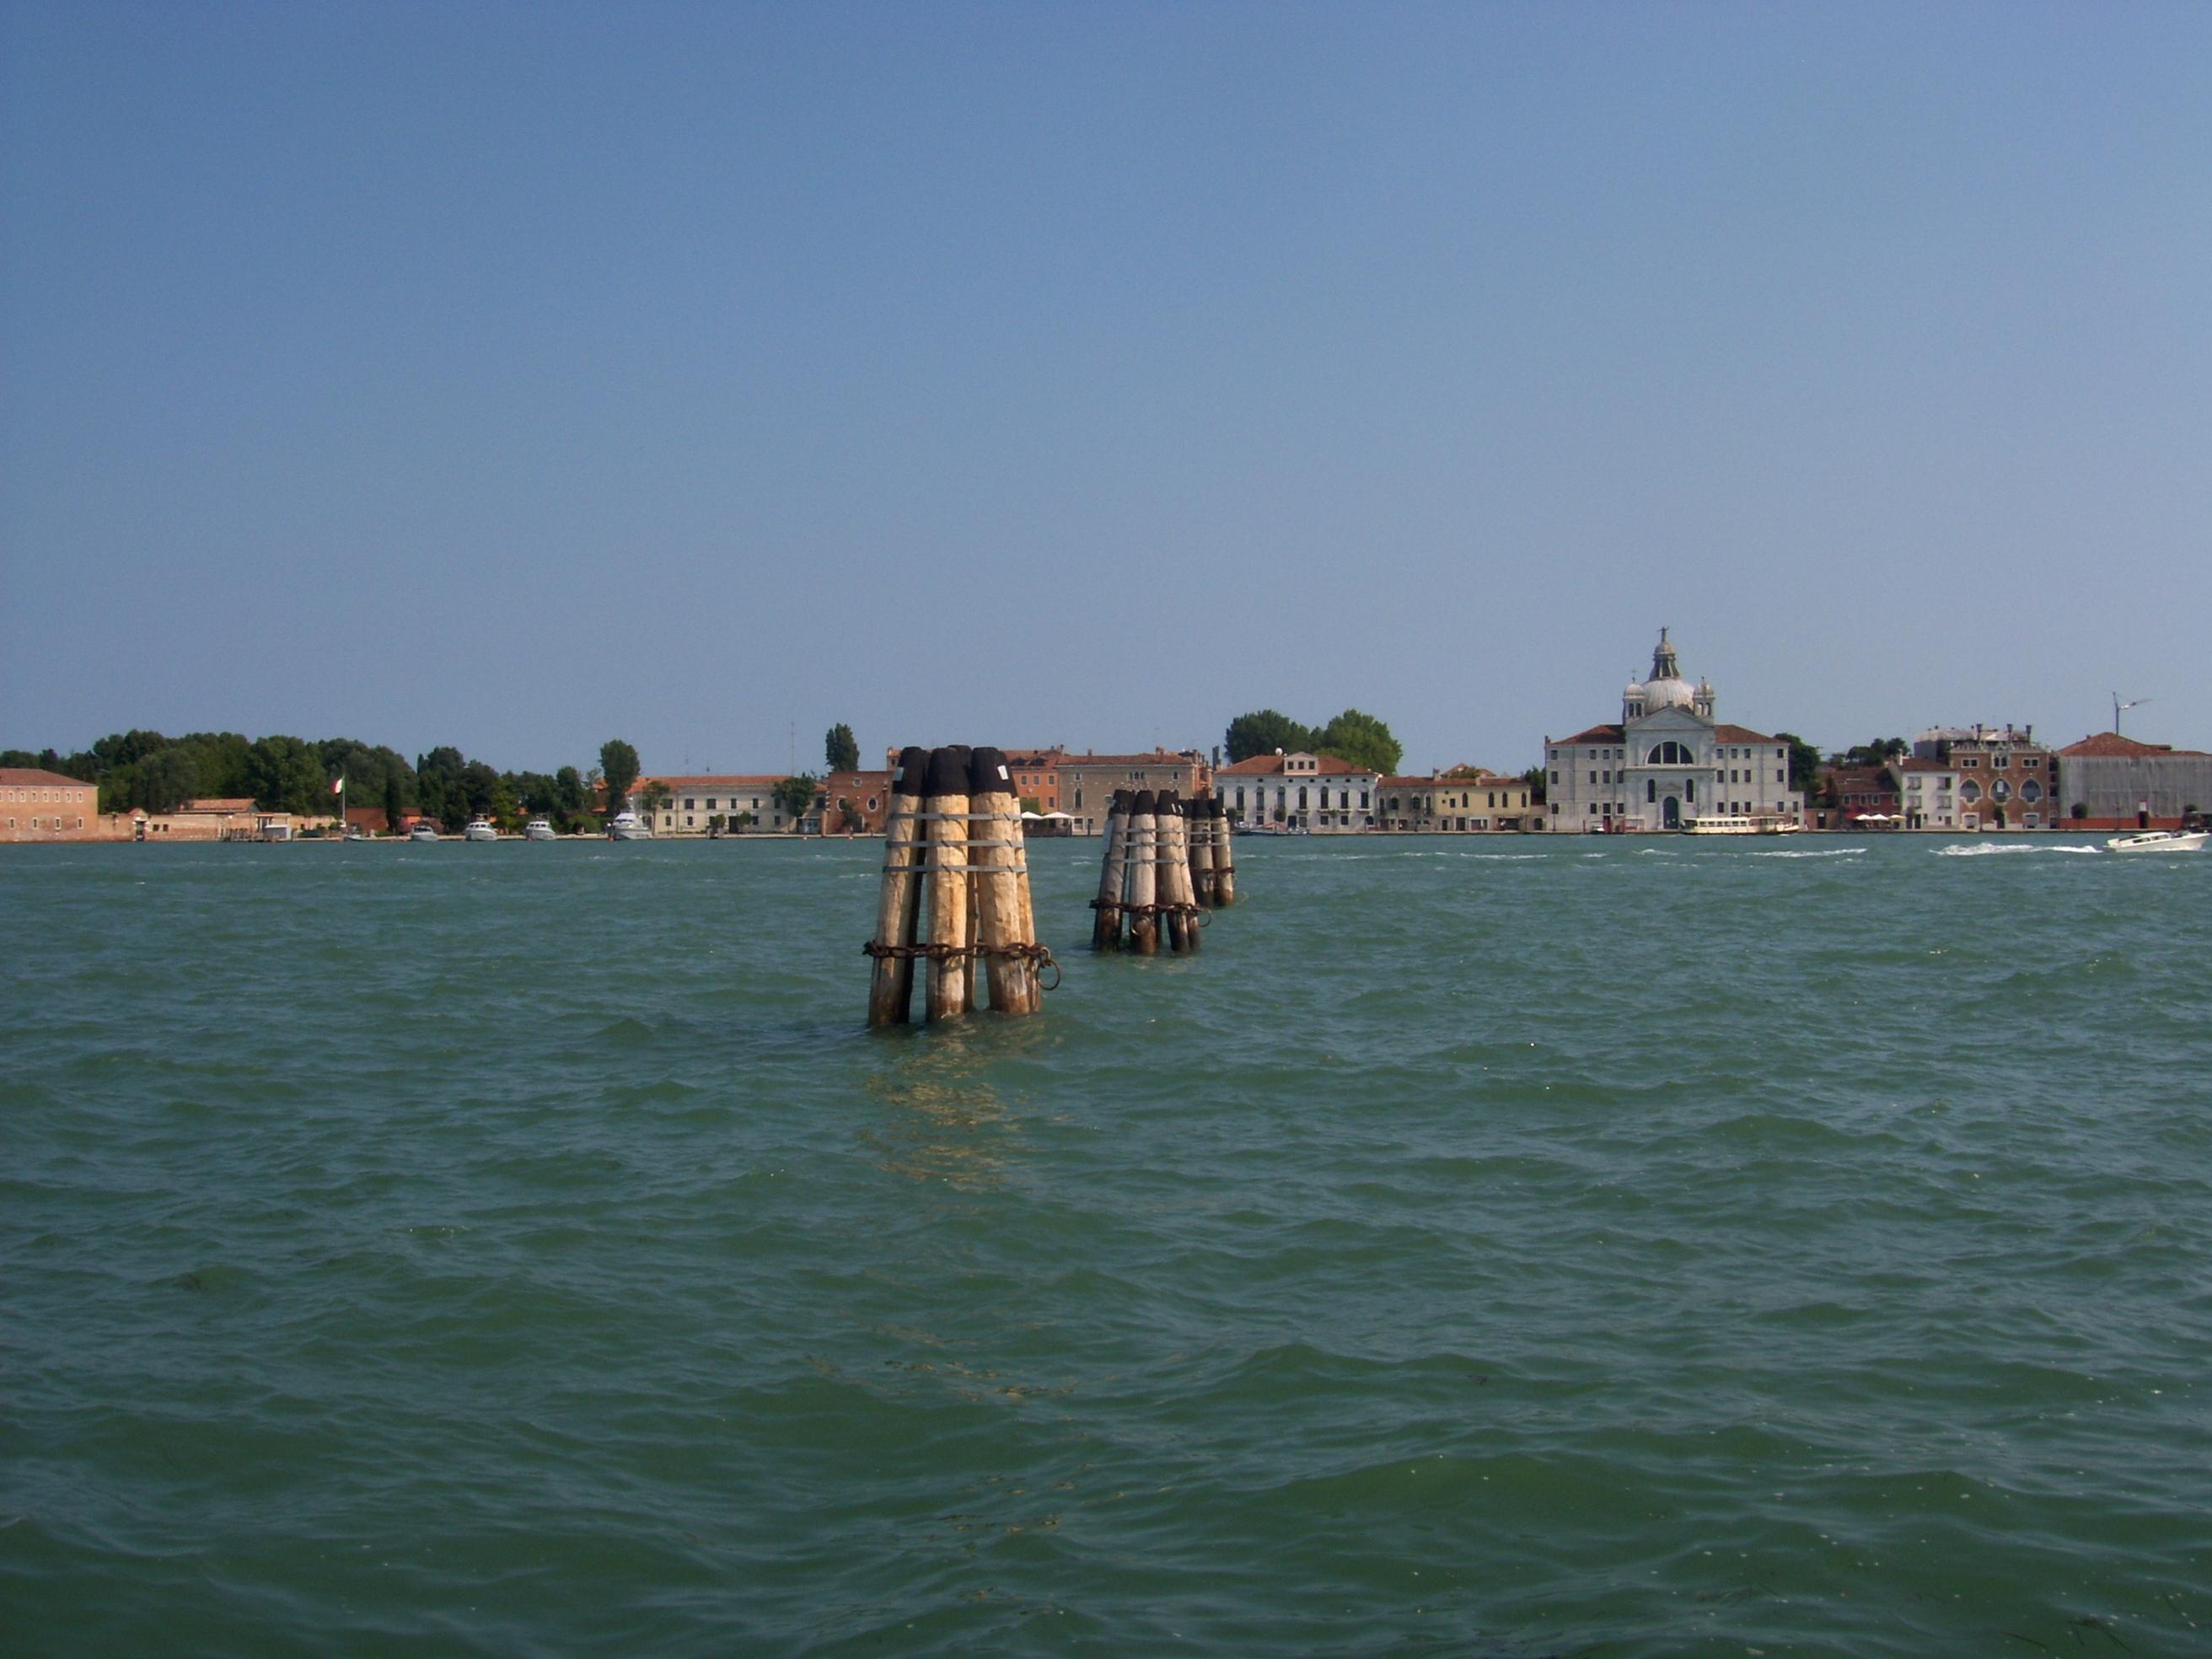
[{"x": 1672, "y": 813}]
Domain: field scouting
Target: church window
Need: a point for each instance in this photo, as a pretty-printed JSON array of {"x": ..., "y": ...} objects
[
  {"x": 1651, "y": 791},
  {"x": 1689, "y": 789},
  {"x": 2031, "y": 790},
  {"x": 1668, "y": 753}
]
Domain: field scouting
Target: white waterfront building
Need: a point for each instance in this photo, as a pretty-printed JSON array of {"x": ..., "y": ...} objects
[
  {"x": 1299, "y": 790},
  {"x": 1667, "y": 762}
]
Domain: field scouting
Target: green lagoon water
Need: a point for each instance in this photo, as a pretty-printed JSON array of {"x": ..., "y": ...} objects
[{"x": 1500, "y": 1247}]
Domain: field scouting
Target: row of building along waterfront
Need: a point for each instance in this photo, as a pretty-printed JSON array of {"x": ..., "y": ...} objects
[{"x": 1666, "y": 762}]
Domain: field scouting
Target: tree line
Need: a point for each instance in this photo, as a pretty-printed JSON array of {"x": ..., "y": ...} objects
[{"x": 147, "y": 771}]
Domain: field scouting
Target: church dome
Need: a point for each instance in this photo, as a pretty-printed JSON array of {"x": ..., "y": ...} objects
[{"x": 1666, "y": 689}]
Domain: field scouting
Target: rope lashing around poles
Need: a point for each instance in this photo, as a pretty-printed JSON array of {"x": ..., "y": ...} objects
[
  {"x": 956, "y": 869},
  {"x": 1039, "y": 957}
]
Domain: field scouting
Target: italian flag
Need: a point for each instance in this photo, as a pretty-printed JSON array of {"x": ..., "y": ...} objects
[{"x": 337, "y": 784}]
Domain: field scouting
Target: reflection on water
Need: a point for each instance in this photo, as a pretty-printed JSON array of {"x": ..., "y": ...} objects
[{"x": 946, "y": 1121}]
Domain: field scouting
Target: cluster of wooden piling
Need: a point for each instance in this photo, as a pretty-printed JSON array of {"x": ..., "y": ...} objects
[
  {"x": 1168, "y": 862},
  {"x": 956, "y": 890}
]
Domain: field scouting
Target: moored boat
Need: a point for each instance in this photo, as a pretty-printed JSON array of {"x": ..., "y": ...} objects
[
  {"x": 1720, "y": 824},
  {"x": 626, "y": 825},
  {"x": 537, "y": 830},
  {"x": 423, "y": 830},
  {"x": 480, "y": 828}
]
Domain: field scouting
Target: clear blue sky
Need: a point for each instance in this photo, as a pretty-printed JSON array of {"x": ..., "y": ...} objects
[{"x": 520, "y": 375}]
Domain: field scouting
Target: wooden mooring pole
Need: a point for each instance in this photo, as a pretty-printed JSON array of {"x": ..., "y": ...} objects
[
  {"x": 946, "y": 800},
  {"x": 956, "y": 892},
  {"x": 1224, "y": 858},
  {"x": 898, "y": 903},
  {"x": 1106, "y": 923},
  {"x": 1143, "y": 860},
  {"x": 1000, "y": 858},
  {"x": 1199, "y": 827}
]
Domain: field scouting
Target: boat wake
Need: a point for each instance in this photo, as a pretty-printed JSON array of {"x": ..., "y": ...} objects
[
  {"x": 1812, "y": 853},
  {"x": 1984, "y": 849}
]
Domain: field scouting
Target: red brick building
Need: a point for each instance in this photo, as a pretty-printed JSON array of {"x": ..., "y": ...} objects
[
  {"x": 40, "y": 805},
  {"x": 1855, "y": 798}
]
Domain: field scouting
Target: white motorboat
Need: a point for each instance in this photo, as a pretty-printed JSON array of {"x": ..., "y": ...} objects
[
  {"x": 2161, "y": 840},
  {"x": 537, "y": 830},
  {"x": 480, "y": 828},
  {"x": 626, "y": 825},
  {"x": 423, "y": 830},
  {"x": 355, "y": 832}
]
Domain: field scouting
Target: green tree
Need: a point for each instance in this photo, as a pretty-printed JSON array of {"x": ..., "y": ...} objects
[
  {"x": 839, "y": 750},
  {"x": 1263, "y": 731},
  {"x": 1363, "y": 740},
  {"x": 1804, "y": 763},
  {"x": 166, "y": 780},
  {"x": 1535, "y": 778},
  {"x": 285, "y": 775},
  {"x": 126, "y": 748},
  {"x": 1879, "y": 753},
  {"x": 439, "y": 790},
  {"x": 795, "y": 795},
  {"x": 570, "y": 798},
  {"x": 395, "y": 802},
  {"x": 479, "y": 788},
  {"x": 222, "y": 758},
  {"x": 619, "y": 769}
]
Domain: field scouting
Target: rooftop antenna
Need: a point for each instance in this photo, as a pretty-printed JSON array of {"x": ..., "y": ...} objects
[{"x": 2119, "y": 708}]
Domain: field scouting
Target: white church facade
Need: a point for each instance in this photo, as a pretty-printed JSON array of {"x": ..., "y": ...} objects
[{"x": 1667, "y": 762}]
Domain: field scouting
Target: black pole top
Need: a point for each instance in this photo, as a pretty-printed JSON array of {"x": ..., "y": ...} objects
[
  {"x": 948, "y": 771},
  {"x": 1168, "y": 804},
  {"x": 989, "y": 774},
  {"x": 1141, "y": 804},
  {"x": 913, "y": 767}
]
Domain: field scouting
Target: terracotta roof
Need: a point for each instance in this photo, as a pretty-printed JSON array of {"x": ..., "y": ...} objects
[
  {"x": 33, "y": 777},
  {"x": 1859, "y": 777},
  {"x": 1598, "y": 734},
  {"x": 1738, "y": 734},
  {"x": 1447, "y": 781},
  {"x": 1157, "y": 757},
  {"x": 2112, "y": 744},
  {"x": 219, "y": 803},
  {"x": 1269, "y": 766}
]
